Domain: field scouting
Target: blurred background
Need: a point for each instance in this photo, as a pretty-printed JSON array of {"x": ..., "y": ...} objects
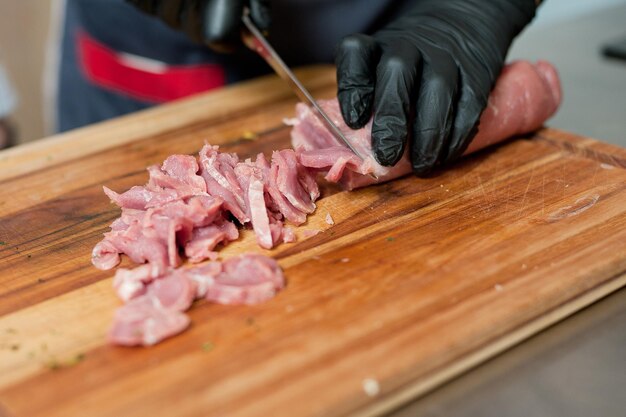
[{"x": 570, "y": 33}]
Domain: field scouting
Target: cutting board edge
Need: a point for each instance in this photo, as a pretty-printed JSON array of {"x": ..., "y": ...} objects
[
  {"x": 585, "y": 146},
  {"x": 63, "y": 147},
  {"x": 424, "y": 385}
]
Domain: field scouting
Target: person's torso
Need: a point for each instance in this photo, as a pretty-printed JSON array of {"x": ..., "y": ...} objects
[
  {"x": 116, "y": 59},
  {"x": 302, "y": 31}
]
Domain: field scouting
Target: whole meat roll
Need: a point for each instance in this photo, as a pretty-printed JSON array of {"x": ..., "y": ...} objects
[{"x": 524, "y": 97}]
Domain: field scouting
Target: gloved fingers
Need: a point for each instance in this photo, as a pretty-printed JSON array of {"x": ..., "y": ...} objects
[
  {"x": 356, "y": 58},
  {"x": 260, "y": 13},
  {"x": 434, "y": 112},
  {"x": 396, "y": 76},
  {"x": 469, "y": 108},
  {"x": 222, "y": 20}
]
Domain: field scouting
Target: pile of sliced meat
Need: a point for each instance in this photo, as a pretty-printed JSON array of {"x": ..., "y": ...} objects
[
  {"x": 524, "y": 97},
  {"x": 190, "y": 206}
]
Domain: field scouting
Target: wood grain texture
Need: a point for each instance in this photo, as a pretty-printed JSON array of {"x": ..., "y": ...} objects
[{"x": 417, "y": 280}]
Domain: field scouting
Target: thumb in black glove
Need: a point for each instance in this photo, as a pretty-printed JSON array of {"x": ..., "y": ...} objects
[
  {"x": 427, "y": 76},
  {"x": 215, "y": 22}
]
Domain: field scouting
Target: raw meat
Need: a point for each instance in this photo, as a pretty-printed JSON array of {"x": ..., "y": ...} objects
[
  {"x": 250, "y": 179},
  {"x": 140, "y": 245},
  {"x": 289, "y": 182},
  {"x": 204, "y": 239},
  {"x": 185, "y": 168},
  {"x": 175, "y": 291},
  {"x": 130, "y": 283},
  {"x": 249, "y": 279},
  {"x": 186, "y": 206},
  {"x": 135, "y": 198},
  {"x": 283, "y": 205},
  {"x": 155, "y": 304},
  {"x": 311, "y": 233},
  {"x": 258, "y": 213},
  {"x": 218, "y": 171},
  {"x": 153, "y": 235},
  {"x": 105, "y": 255},
  {"x": 141, "y": 322},
  {"x": 289, "y": 236},
  {"x": 204, "y": 277},
  {"x": 524, "y": 97}
]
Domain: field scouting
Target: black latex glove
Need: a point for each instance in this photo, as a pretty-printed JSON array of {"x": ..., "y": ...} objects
[
  {"x": 427, "y": 76},
  {"x": 215, "y": 22}
]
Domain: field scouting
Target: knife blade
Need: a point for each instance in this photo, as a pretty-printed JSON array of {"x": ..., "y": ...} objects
[{"x": 254, "y": 39}]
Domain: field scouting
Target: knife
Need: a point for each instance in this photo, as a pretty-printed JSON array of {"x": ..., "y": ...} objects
[{"x": 254, "y": 40}]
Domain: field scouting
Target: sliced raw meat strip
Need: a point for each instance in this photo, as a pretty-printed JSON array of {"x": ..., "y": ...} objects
[
  {"x": 198, "y": 210},
  {"x": 159, "y": 180},
  {"x": 311, "y": 233},
  {"x": 141, "y": 322},
  {"x": 140, "y": 198},
  {"x": 185, "y": 169},
  {"x": 247, "y": 279},
  {"x": 164, "y": 229},
  {"x": 250, "y": 181},
  {"x": 276, "y": 231},
  {"x": 284, "y": 206},
  {"x": 128, "y": 217},
  {"x": 205, "y": 239},
  {"x": 306, "y": 177},
  {"x": 140, "y": 245},
  {"x": 230, "y": 202},
  {"x": 263, "y": 166},
  {"x": 204, "y": 276},
  {"x": 289, "y": 235},
  {"x": 258, "y": 213},
  {"x": 524, "y": 97},
  {"x": 135, "y": 198},
  {"x": 118, "y": 224},
  {"x": 217, "y": 169},
  {"x": 175, "y": 291},
  {"x": 105, "y": 255},
  {"x": 288, "y": 181},
  {"x": 221, "y": 167},
  {"x": 131, "y": 283}
]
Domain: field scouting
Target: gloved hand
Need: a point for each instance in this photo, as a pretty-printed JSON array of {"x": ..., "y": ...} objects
[
  {"x": 427, "y": 76},
  {"x": 216, "y": 22}
]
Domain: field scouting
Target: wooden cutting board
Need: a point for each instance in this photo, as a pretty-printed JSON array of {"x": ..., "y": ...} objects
[{"x": 417, "y": 280}]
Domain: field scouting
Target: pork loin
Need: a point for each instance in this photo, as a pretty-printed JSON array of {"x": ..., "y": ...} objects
[{"x": 524, "y": 97}]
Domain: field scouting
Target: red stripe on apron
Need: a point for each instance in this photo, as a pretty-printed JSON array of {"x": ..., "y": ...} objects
[{"x": 150, "y": 80}]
